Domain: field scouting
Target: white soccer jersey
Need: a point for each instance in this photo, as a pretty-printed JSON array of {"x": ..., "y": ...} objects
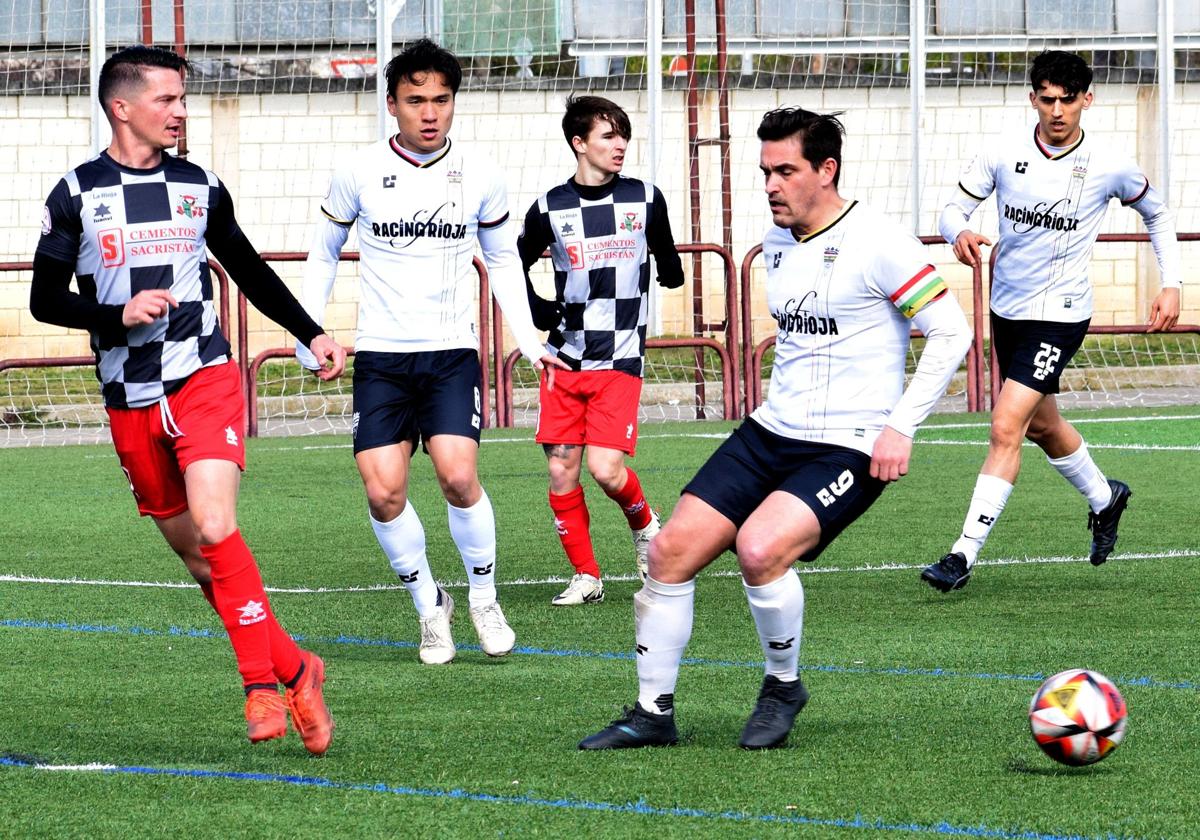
[
  {"x": 843, "y": 298},
  {"x": 417, "y": 225},
  {"x": 1051, "y": 203}
]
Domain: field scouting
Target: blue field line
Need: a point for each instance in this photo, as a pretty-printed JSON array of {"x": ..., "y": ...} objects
[
  {"x": 525, "y": 650},
  {"x": 640, "y": 808}
]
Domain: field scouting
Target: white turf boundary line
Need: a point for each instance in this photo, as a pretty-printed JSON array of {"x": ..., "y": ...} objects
[{"x": 804, "y": 570}]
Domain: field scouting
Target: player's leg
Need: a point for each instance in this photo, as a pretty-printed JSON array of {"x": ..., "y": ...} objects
[
  {"x": 1068, "y": 453},
  {"x": 612, "y": 426},
  {"x": 1030, "y": 357},
  {"x": 695, "y": 536},
  {"x": 734, "y": 480},
  {"x": 828, "y": 489},
  {"x": 560, "y": 427},
  {"x": 384, "y": 439},
  {"x": 572, "y": 523},
  {"x": 202, "y": 420},
  {"x": 449, "y": 421}
]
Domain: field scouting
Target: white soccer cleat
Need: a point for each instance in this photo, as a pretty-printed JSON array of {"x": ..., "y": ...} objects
[
  {"x": 583, "y": 589},
  {"x": 641, "y": 545},
  {"x": 495, "y": 636},
  {"x": 437, "y": 645}
]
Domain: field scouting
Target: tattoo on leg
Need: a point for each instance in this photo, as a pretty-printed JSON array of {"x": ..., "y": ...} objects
[{"x": 558, "y": 450}]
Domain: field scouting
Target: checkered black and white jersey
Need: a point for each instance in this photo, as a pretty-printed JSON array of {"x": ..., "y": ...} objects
[
  {"x": 127, "y": 230},
  {"x": 600, "y": 240}
]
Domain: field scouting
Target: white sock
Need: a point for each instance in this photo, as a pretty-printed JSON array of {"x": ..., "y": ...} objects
[
  {"x": 990, "y": 496},
  {"x": 1079, "y": 469},
  {"x": 474, "y": 532},
  {"x": 662, "y": 620},
  {"x": 778, "y": 610},
  {"x": 403, "y": 541}
]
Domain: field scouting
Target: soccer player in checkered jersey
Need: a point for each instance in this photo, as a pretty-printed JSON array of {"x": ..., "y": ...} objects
[
  {"x": 420, "y": 202},
  {"x": 1053, "y": 185},
  {"x": 132, "y": 225},
  {"x": 601, "y": 229},
  {"x": 845, "y": 286}
]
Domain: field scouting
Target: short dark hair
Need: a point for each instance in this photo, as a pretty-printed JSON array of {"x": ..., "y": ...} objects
[
  {"x": 1067, "y": 70},
  {"x": 583, "y": 112},
  {"x": 820, "y": 135},
  {"x": 124, "y": 67},
  {"x": 423, "y": 56}
]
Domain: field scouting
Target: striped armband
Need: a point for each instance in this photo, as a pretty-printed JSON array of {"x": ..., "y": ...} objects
[{"x": 923, "y": 288}]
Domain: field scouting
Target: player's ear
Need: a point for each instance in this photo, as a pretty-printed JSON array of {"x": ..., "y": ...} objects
[
  {"x": 1087, "y": 100},
  {"x": 579, "y": 144},
  {"x": 391, "y": 104}
]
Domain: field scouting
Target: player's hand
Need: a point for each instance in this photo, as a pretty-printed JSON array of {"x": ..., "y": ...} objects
[
  {"x": 331, "y": 357},
  {"x": 966, "y": 248},
  {"x": 547, "y": 364},
  {"x": 1164, "y": 312},
  {"x": 889, "y": 458},
  {"x": 147, "y": 306}
]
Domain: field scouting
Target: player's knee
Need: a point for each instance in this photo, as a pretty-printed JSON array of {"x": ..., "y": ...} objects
[
  {"x": 213, "y": 526},
  {"x": 460, "y": 486},
  {"x": 1005, "y": 434},
  {"x": 757, "y": 557},
  {"x": 386, "y": 503},
  {"x": 608, "y": 474}
]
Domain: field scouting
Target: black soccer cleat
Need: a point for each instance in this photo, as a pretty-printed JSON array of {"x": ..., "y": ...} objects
[
  {"x": 1103, "y": 525},
  {"x": 947, "y": 574},
  {"x": 634, "y": 728},
  {"x": 778, "y": 704}
]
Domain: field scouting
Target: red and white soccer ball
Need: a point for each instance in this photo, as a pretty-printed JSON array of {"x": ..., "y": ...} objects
[{"x": 1077, "y": 717}]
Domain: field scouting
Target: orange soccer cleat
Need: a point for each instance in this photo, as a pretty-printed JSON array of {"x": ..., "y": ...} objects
[
  {"x": 310, "y": 715},
  {"x": 266, "y": 716}
]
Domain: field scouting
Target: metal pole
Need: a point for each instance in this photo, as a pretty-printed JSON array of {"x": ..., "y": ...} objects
[
  {"x": 916, "y": 73},
  {"x": 654, "y": 131},
  {"x": 1166, "y": 91},
  {"x": 385, "y": 10},
  {"x": 96, "y": 37}
]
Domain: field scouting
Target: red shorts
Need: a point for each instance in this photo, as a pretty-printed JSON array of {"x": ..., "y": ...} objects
[
  {"x": 590, "y": 407},
  {"x": 156, "y": 443}
]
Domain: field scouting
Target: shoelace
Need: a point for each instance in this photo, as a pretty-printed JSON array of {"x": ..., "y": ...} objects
[
  {"x": 491, "y": 617},
  {"x": 260, "y": 708}
]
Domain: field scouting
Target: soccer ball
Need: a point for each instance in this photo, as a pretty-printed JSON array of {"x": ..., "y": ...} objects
[{"x": 1077, "y": 717}]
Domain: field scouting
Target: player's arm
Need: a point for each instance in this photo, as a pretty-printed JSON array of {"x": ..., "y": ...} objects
[
  {"x": 976, "y": 184},
  {"x": 535, "y": 237},
  {"x": 263, "y": 287},
  {"x": 1160, "y": 224},
  {"x": 51, "y": 300},
  {"x": 499, "y": 244},
  {"x": 662, "y": 245},
  {"x": 936, "y": 313},
  {"x": 320, "y": 272}
]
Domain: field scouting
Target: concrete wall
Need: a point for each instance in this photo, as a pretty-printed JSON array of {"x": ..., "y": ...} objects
[{"x": 274, "y": 152}]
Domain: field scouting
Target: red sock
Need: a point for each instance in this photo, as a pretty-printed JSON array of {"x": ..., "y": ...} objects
[
  {"x": 207, "y": 590},
  {"x": 285, "y": 655},
  {"x": 242, "y": 604},
  {"x": 572, "y": 521},
  {"x": 632, "y": 501}
]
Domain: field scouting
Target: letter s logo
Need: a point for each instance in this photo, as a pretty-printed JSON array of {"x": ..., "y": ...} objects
[{"x": 112, "y": 247}]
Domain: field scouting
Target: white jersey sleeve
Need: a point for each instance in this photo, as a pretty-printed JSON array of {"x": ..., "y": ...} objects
[
  {"x": 1133, "y": 189},
  {"x": 923, "y": 298},
  {"x": 975, "y": 185}
]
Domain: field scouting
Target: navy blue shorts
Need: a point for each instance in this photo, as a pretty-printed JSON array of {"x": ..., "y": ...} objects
[
  {"x": 414, "y": 396},
  {"x": 1035, "y": 353},
  {"x": 753, "y": 462}
]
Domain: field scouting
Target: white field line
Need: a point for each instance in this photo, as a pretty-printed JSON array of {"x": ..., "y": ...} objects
[
  {"x": 1127, "y": 447},
  {"x": 556, "y": 580},
  {"x": 76, "y": 767},
  {"x": 721, "y": 435}
]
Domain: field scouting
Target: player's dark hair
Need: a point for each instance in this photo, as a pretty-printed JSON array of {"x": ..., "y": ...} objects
[
  {"x": 420, "y": 57},
  {"x": 1067, "y": 70},
  {"x": 125, "y": 67},
  {"x": 583, "y": 112},
  {"x": 820, "y": 135}
]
